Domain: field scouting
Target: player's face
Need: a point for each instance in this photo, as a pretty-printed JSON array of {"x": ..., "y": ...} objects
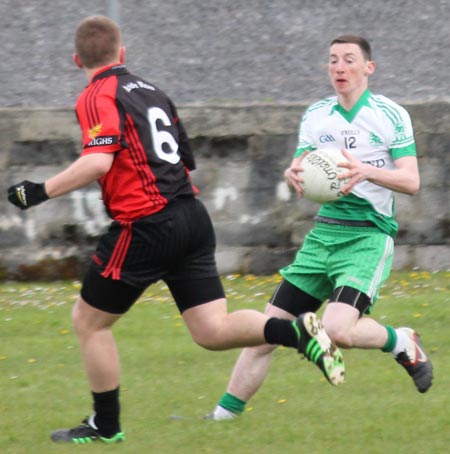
[{"x": 348, "y": 69}]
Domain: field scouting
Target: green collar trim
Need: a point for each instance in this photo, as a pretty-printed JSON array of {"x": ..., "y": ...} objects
[{"x": 350, "y": 115}]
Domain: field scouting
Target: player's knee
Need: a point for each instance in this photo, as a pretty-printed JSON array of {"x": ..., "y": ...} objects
[
  {"x": 78, "y": 321},
  {"x": 339, "y": 335},
  {"x": 208, "y": 340},
  {"x": 208, "y": 344},
  {"x": 84, "y": 319}
]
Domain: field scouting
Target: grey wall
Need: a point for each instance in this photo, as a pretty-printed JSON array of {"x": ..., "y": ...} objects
[
  {"x": 253, "y": 50},
  {"x": 242, "y": 151}
]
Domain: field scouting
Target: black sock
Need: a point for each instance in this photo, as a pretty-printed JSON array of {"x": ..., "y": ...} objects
[
  {"x": 281, "y": 332},
  {"x": 107, "y": 411}
]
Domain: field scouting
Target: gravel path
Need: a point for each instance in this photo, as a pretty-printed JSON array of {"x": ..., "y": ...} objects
[{"x": 228, "y": 50}]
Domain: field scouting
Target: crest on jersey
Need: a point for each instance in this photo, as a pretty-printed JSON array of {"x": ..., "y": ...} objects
[{"x": 95, "y": 131}]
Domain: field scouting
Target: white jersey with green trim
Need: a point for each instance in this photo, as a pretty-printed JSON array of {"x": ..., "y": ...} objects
[{"x": 376, "y": 131}]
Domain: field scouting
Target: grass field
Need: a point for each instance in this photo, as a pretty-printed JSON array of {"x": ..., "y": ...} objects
[{"x": 169, "y": 383}]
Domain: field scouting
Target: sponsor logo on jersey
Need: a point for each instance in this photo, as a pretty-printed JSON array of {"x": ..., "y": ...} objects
[
  {"x": 102, "y": 140},
  {"x": 327, "y": 138},
  {"x": 95, "y": 131},
  {"x": 350, "y": 132},
  {"x": 98, "y": 140},
  {"x": 138, "y": 84},
  {"x": 377, "y": 163}
]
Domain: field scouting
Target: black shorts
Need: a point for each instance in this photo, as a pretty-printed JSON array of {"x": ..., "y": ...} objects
[
  {"x": 176, "y": 245},
  {"x": 294, "y": 300}
]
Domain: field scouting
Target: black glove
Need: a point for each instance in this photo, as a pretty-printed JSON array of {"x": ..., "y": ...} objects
[{"x": 27, "y": 194}]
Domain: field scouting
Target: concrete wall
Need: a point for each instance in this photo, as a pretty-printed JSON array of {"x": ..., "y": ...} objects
[{"x": 242, "y": 151}]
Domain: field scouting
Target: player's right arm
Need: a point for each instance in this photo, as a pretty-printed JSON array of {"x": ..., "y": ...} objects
[
  {"x": 84, "y": 171},
  {"x": 292, "y": 174}
]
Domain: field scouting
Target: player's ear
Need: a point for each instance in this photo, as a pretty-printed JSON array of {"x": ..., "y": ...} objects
[
  {"x": 122, "y": 54},
  {"x": 370, "y": 68},
  {"x": 77, "y": 61}
]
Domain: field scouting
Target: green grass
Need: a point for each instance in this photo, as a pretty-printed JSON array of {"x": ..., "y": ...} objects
[{"x": 377, "y": 410}]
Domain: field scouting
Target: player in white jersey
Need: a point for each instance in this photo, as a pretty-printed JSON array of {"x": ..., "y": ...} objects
[
  {"x": 347, "y": 256},
  {"x": 375, "y": 131}
]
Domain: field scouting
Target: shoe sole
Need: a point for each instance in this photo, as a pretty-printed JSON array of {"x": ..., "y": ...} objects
[
  {"x": 425, "y": 380},
  {"x": 333, "y": 362}
]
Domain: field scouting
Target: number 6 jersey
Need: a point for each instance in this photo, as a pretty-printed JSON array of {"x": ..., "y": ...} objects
[{"x": 122, "y": 114}]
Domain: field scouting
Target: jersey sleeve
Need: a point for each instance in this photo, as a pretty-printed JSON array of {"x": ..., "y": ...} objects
[
  {"x": 99, "y": 121},
  {"x": 305, "y": 137},
  {"x": 403, "y": 143}
]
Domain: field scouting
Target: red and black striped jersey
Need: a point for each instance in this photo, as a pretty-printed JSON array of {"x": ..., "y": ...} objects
[{"x": 122, "y": 114}]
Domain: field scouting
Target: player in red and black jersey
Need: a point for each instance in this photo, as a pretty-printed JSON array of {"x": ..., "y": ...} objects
[
  {"x": 122, "y": 114},
  {"x": 135, "y": 146}
]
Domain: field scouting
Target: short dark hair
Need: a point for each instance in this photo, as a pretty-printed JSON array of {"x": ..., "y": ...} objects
[
  {"x": 97, "y": 41},
  {"x": 363, "y": 44}
]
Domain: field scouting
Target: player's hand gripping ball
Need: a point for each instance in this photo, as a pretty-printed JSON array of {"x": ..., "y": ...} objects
[{"x": 320, "y": 175}]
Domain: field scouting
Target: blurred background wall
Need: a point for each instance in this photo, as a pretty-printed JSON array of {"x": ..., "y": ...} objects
[{"x": 242, "y": 74}]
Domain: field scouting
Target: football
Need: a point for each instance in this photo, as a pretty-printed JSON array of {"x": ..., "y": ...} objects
[{"x": 320, "y": 175}]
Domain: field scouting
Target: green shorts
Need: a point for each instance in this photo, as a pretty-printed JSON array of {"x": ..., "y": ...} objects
[{"x": 335, "y": 255}]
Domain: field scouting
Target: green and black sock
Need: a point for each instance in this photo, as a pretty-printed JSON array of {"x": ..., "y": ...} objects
[
  {"x": 107, "y": 412},
  {"x": 281, "y": 332}
]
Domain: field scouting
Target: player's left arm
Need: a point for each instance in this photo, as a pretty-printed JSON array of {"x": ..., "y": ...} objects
[
  {"x": 404, "y": 178},
  {"x": 184, "y": 147}
]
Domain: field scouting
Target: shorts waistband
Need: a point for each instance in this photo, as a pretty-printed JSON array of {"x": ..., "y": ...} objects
[{"x": 346, "y": 222}]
